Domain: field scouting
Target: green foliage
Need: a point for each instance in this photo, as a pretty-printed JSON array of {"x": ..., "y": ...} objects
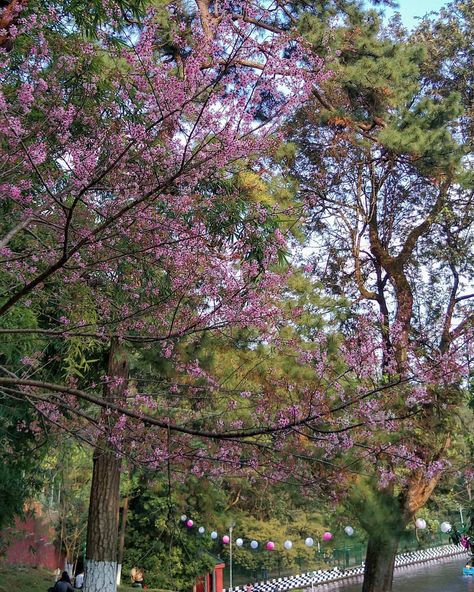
[
  {"x": 171, "y": 554},
  {"x": 22, "y": 445},
  {"x": 13, "y": 347},
  {"x": 23, "y": 440},
  {"x": 448, "y": 38},
  {"x": 81, "y": 352},
  {"x": 294, "y": 524},
  {"x": 90, "y": 15},
  {"x": 158, "y": 543},
  {"x": 378, "y": 89},
  {"x": 318, "y": 21},
  {"x": 376, "y": 510},
  {"x": 24, "y": 578},
  {"x": 422, "y": 130},
  {"x": 69, "y": 469}
]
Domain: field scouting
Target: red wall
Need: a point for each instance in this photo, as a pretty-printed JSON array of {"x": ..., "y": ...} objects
[
  {"x": 219, "y": 571},
  {"x": 30, "y": 542}
]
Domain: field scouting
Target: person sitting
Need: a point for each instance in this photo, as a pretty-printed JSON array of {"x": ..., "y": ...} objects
[
  {"x": 79, "y": 581},
  {"x": 137, "y": 578},
  {"x": 64, "y": 583}
]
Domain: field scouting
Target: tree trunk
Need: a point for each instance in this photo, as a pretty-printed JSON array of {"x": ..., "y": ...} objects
[
  {"x": 102, "y": 526},
  {"x": 383, "y": 545},
  {"x": 379, "y": 564}
]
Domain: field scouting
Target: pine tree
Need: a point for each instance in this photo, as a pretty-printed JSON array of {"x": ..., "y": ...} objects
[{"x": 383, "y": 174}]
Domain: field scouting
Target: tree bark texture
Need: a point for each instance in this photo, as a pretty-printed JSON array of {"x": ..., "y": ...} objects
[
  {"x": 379, "y": 564},
  {"x": 102, "y": 526},
  {"x": 100, "y": 575}
]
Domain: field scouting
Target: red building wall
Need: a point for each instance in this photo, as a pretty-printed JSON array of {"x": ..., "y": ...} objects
[{"x": 31, "y": 542}]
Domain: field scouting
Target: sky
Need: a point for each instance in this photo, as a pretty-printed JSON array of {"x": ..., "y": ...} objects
[{"x": 409, "y": 9}]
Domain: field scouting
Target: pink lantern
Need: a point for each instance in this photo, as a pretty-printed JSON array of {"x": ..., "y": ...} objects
[
  {"x": 189, "y": 523},
  {"x": 225, "y": 539},
  {"x": 327, "y": 536},
  {"x": 270, "y": 545}
]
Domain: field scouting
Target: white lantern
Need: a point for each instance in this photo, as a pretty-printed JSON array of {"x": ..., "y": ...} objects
[
  {"x": 420, "y": 523},
  {"x": 309, "y": 542},
  {"x": 287, "y": 545},
  {"x": 214, "y": 535},
  {"x": 201, "y": 530},
  {"x": 349, "y": 530},
  {"x": 445, "y": 527},
  {"x": 183, "y": 517},
  {"x": 239, "y": 542},
  {"x": 254, "y": 544}
]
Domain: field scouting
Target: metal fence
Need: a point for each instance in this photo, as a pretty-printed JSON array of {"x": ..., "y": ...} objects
[{"x": 341, "y": 557}]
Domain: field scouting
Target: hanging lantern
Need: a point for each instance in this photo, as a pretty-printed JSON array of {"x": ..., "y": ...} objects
[
  {"x": 420, "y": 523},
  {"x": 201, "y": 530},
  {"x": 309, "y": 542},
  {"x": 288, "y": 545},
  {"x": 270, "y": 546},
  {"x": 189, "y": 523},
  {"x": 225, "y": 539},
  {"x": 183, "y": 517},
  {"x": 239, "y": 542},
  {"x": 213, "y": 535},
  {"x": 327, "y": 536},
  {"x": 349, "y": 530},
  {"x": 254, "y": 544},
  {"x": 445, "y": 527}
]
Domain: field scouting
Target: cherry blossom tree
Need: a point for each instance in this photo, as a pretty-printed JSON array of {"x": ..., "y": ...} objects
[
  {"x": 125, "y": 227},
  {"x": 121, "y": 221}
]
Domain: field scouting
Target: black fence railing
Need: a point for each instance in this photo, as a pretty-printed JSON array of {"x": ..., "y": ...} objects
[{"x": 341, "y": 557}]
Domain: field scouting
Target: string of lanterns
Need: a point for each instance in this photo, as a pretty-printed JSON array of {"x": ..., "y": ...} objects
[
  {"x": 445, "y": 527},
  {"x": 269, "y": 545}
]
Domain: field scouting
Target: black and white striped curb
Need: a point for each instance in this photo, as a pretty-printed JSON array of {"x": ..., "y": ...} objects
[{"x": 312, "y": 578}]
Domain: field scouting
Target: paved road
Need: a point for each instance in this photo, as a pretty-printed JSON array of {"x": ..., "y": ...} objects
[{"x": 443, "y": 575}]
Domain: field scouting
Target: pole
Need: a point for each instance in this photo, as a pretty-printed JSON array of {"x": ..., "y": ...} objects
[
  {"x": 121, "y": 545},
  {"x": 230, "y": 556},
  {"x": 462, "y": 519}
]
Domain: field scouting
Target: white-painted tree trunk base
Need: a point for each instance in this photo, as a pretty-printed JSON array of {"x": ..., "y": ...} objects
[
  {"x": 119, "y": 573},
  {"x": 100, "y": 576}
]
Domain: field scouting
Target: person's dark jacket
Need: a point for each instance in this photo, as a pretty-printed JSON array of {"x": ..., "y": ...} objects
[{"x": 63, "y": 587}]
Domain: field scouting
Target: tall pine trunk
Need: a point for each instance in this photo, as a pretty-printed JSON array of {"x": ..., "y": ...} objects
[
  {"x": 102, "y": 526},
  {"x": 379, "y": 564}
]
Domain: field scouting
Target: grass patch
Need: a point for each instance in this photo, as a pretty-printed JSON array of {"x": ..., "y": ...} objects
[
  {"x": 29, "y": 579},
  {"x": 35, "y": 579}
]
